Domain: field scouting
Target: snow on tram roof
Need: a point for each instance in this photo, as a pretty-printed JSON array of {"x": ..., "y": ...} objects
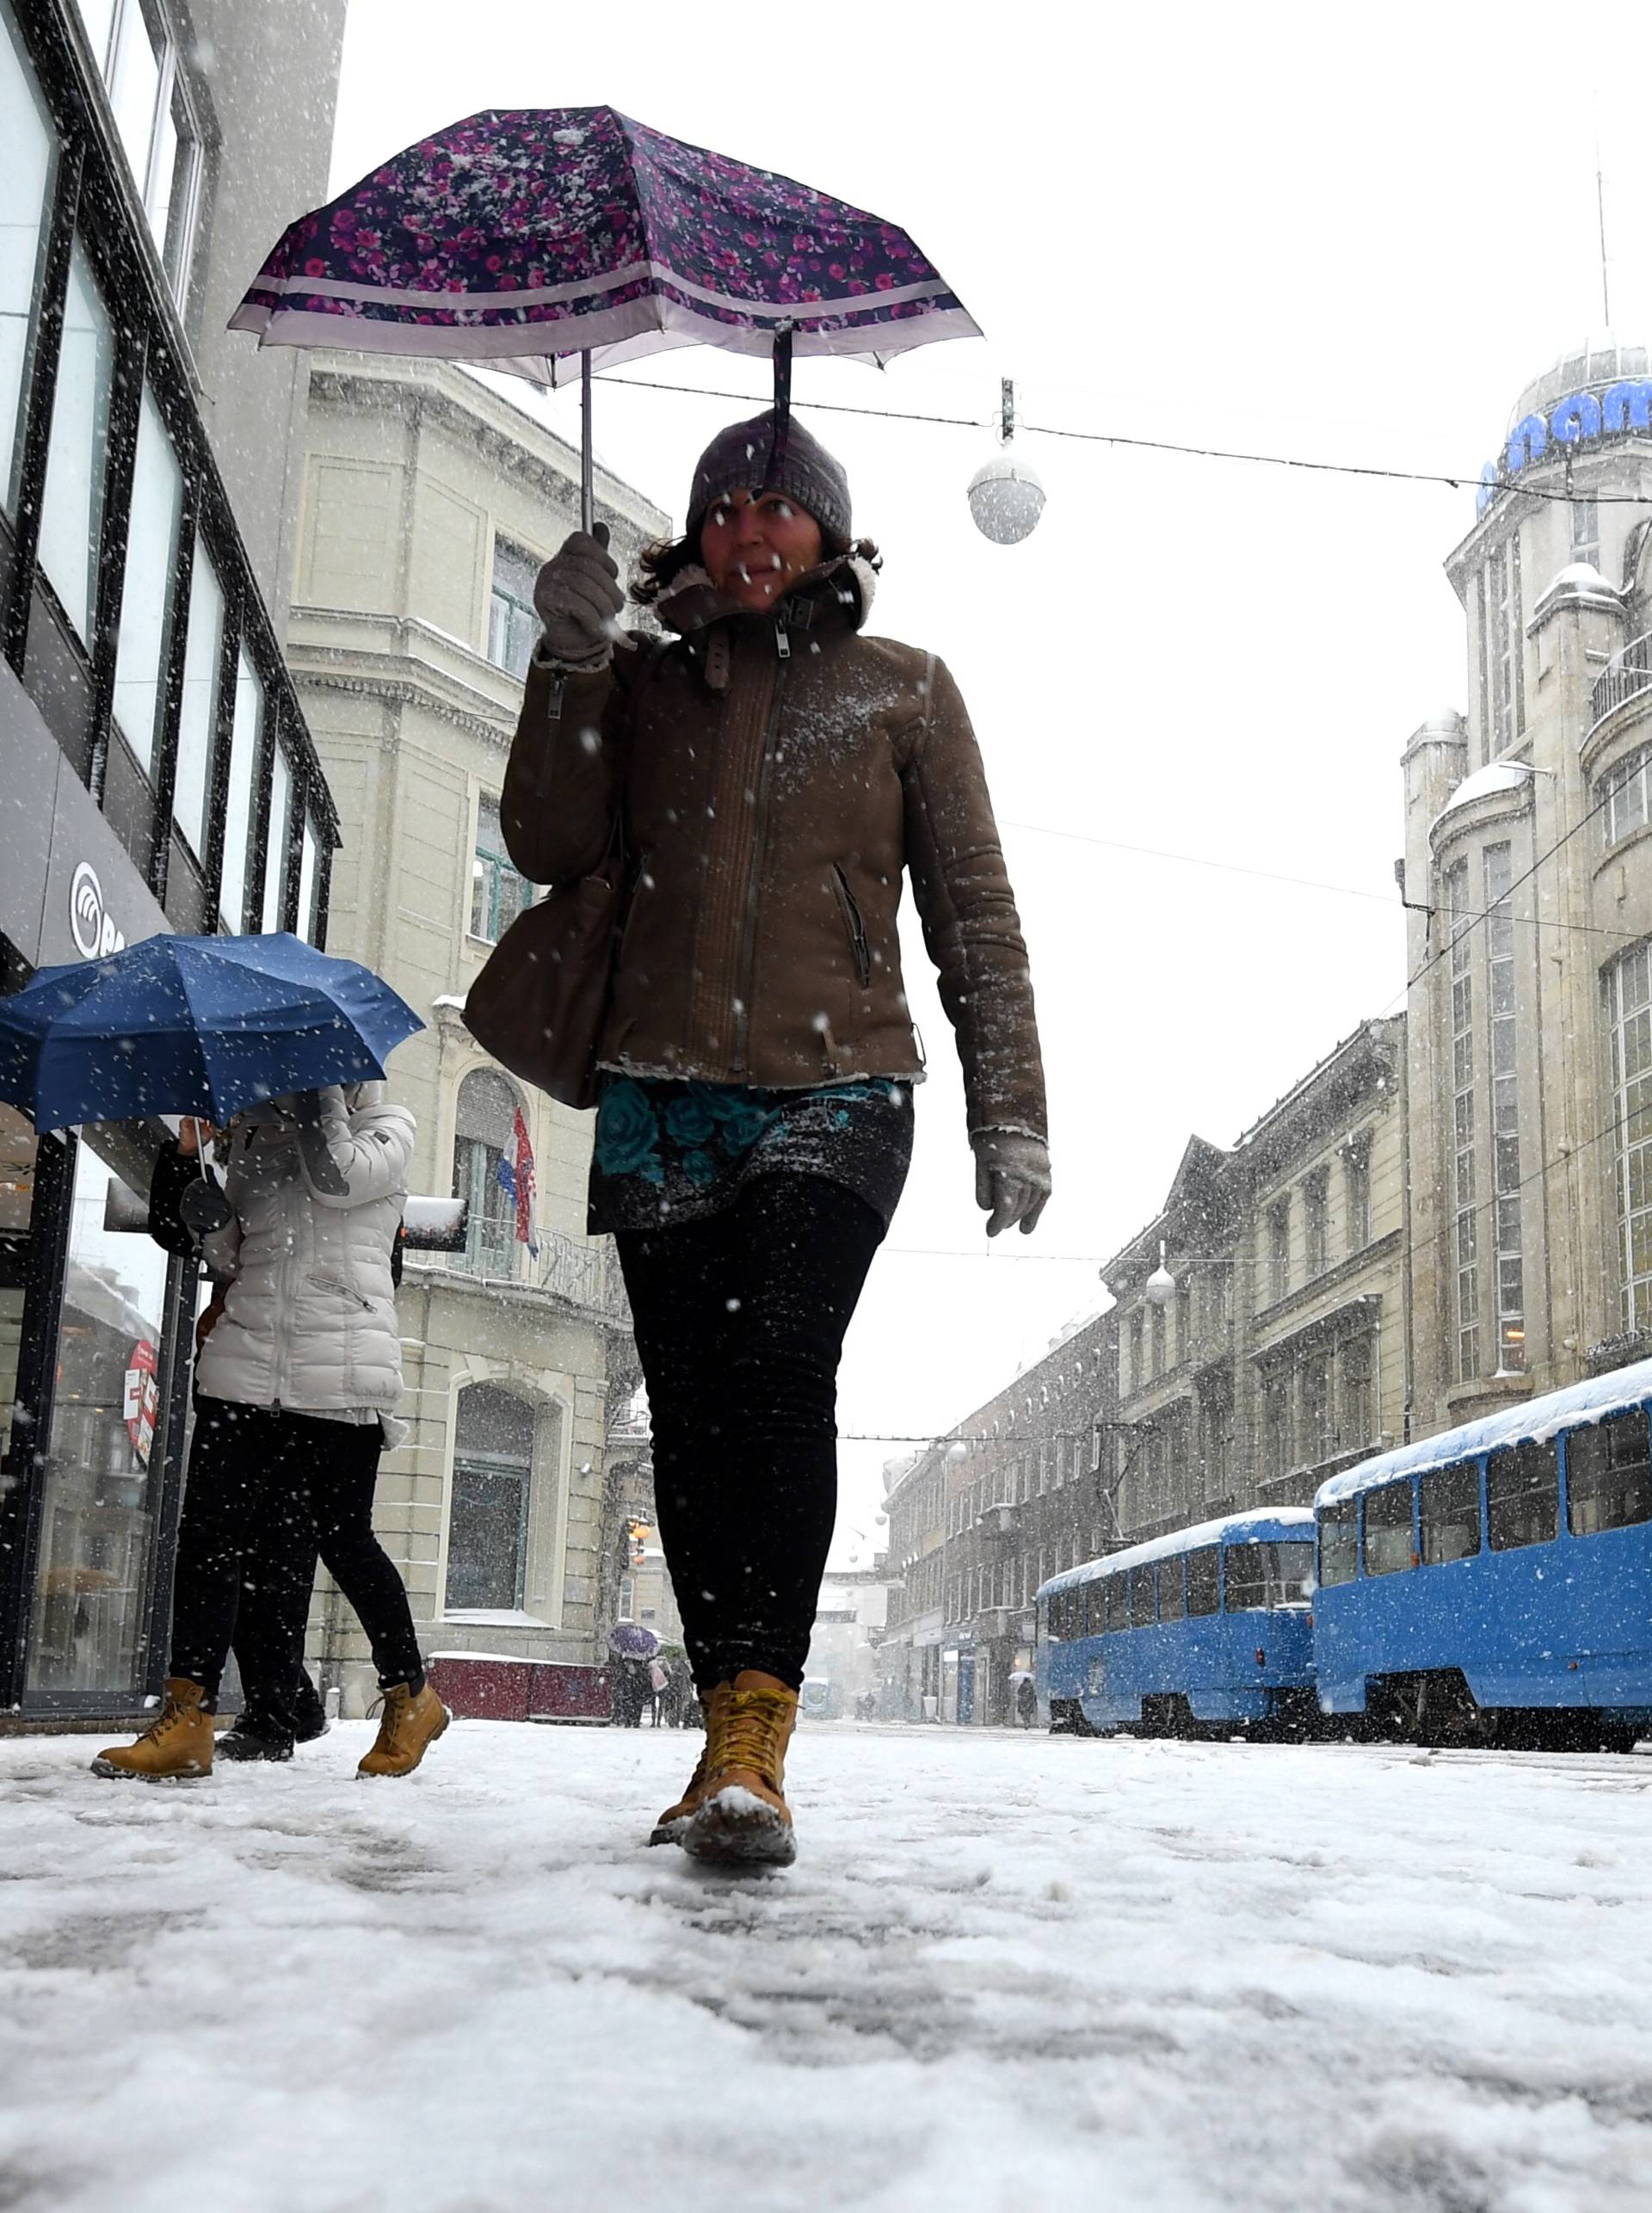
[
  {"x": 1531, "y": 1422},
  {"x": 1260, "y": 1525}
]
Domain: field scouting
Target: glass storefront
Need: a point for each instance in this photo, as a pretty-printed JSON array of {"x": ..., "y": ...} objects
[
  {"x": 101, "y": 1477},
  {"x": 17, "y": 1196}
]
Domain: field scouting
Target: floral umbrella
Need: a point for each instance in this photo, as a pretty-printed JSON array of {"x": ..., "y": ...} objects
[{"x": 526, "y": 237}]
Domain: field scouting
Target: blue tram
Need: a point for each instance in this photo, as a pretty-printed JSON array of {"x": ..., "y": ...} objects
[
  {"x": 1494, "y": 1584},
  {"x": 1199, "y": 1633}
]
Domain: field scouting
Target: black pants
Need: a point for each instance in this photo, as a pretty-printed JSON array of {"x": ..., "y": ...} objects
[
  {"x": 241, "y": 1458},
  {"x": 278, "y": 1573},
  {"x": 740, "y": 1321}
]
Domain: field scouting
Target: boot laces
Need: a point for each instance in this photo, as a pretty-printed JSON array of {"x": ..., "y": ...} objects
[
  {"x": 397, "y": 1704},
  {"x": 750, "y": 1735},
  {"x": 173, "y": 1714}
]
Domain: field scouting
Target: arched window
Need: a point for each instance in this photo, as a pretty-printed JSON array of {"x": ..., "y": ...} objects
[
  {"x": 483, "y": 1139},
  {"x": 487, "y": 1523}
]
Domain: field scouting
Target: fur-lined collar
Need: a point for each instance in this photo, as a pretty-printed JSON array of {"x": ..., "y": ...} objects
[{"x": 693, "y": 602}]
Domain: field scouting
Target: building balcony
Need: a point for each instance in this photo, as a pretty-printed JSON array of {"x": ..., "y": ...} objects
[
  {"x": 580, "y": 1275},
  {"x": 995, "y": 1524},
  {"x": 1625, "y": 676}
]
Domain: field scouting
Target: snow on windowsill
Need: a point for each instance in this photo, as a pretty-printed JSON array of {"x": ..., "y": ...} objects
[{"x": 495, "y": 1617}]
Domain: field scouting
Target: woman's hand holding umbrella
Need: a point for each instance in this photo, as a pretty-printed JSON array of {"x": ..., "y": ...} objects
[{"x": 579, "y": 598}]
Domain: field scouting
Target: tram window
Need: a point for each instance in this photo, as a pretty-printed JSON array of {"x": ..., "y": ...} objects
[
  {"x": 1338, "y": 1547},
  {"x": 1261, "y": 1577},
  {"x": 1204, "y": 1581},
  {"x": 1143, "y": 1599},
  {"x": 1523, "y": 1496},
  {"x": 1449, "y": 1501},
  {"x": 1608, "y": 1480},
  {"x": 1388, "y": 1529},
  {"x": 1117, "y": 1590},
  {"x": 1093, "y": 1602},
  {"x": 1172, "y": 1604}
]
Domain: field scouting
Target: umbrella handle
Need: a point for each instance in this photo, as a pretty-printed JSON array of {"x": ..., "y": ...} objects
[
  {"x": 586, "y": 466},
  {"x": 782, "y": 405}
]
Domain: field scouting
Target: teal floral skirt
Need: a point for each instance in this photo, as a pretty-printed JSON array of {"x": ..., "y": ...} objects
[{"x": 670, "y": 1150}]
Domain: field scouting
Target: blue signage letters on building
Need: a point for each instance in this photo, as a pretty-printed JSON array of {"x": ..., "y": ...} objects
[{"x": 1620, "y": 411}]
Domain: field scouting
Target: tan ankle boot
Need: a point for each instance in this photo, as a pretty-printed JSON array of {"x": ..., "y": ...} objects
[
  {"x": 177, "y": 1746},
  {"x": 673, "y": 1822},
  {"x": 742, "y": 1819},
  {"x": 411, "y": 1723}
]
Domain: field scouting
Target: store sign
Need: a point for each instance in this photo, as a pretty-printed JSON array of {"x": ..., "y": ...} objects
[
  {"x": 1583, "y": 418},
  {"x": 68, "y": 889},
  {"x": 90, "y": 923},
  {"x": 142, "y": 1399}
]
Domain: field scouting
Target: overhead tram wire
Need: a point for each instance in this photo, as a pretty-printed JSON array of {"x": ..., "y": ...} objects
[
  {"x": 1307, "y": 883},
  {"x": 1469, "y": 480},
  {"x": 1456, "y": 483}
]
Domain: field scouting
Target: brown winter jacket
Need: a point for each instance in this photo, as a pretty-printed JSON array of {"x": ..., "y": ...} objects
[{"x": 778, "y": 776}]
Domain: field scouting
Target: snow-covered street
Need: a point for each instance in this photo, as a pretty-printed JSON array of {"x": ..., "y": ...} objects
[{"x": 1009, "y": 1974}]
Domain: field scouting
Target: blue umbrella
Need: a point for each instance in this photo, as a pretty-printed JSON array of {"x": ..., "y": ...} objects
[{"x": 193, "y": 1025}]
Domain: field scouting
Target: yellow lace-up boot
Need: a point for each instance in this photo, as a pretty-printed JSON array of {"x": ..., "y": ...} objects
[
  {"x": 742, "y": 1819},
  {"x": 673, "y": 1823},
  {"x": 176, "y": 1746},
  {"x": 411, "y": 1723}
]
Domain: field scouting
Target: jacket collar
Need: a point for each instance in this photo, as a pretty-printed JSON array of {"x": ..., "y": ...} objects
[{"x": 839, "y": 591}]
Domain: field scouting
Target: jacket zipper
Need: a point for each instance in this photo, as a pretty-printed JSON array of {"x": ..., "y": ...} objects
[
  {"x": 857, "y": 928},
  {"x": 759, "y": 839}
]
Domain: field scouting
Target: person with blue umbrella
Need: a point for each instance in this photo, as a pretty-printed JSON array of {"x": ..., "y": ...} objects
[{"x": 296, "y": 1388}]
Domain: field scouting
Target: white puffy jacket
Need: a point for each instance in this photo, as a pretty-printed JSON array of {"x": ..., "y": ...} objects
[{"x": 309, "y": 1320}]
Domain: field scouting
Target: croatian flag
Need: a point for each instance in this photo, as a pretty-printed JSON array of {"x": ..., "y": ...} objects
[{"x": 516, "y": 1180}]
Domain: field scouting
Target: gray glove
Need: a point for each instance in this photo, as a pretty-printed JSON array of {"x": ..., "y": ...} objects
[
  {"x": 1012, "y": 1178},
  {"x": 578, "y": 597}
]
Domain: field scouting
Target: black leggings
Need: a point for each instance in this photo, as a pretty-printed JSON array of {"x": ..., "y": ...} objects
[
  {"x": 239, "y": 1456},
  {"x": 740, "y": 1320}
]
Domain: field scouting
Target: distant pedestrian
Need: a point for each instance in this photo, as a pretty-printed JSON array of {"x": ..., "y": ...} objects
[
  {"x": 658, "y": 1684},
  {"x": 772, "y": 776},
  {"x": 1026, "y": 1702},
  {"x": 294, "y": 1386},
  {"x": 628, "y": 1690},
  {"x": 280, "y": 1706}
]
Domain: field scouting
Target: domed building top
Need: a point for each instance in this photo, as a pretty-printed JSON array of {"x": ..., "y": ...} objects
[
  {"x": 1602, "y": 390},
  {"x": 1444, "y": 722},
  {"x": 1496, "y": 778},
  {"x": 1578, "y": 584},
  {"x": 1602, "y": 359}
]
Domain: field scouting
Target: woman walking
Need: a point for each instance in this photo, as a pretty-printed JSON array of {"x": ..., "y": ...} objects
[
  {"x": 772, "y": 774},
  {"x": 293, "y": 1388}
]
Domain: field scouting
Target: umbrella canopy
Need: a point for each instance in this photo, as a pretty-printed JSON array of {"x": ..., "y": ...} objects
[
  {"x": 629, "y": 1640},
  {"x": 193, "y": 1025},
  {"x": 521, "y": 236}
]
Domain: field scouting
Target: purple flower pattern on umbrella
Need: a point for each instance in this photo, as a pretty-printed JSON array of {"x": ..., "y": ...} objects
[{"x": 534, "y": 222}]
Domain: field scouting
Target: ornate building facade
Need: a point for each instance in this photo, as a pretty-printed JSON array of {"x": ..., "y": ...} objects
[{"x": 1528, "y": 875}]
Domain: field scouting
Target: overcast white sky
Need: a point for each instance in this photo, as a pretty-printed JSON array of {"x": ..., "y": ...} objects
[{"x": 1346, "y": 235}]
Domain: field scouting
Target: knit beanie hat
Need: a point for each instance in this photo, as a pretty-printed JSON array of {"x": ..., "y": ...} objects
[{"x": 740, "y": 458}]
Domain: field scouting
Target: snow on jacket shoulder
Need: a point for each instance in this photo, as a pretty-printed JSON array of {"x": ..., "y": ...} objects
[{"x": 309, "y": 1319}]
